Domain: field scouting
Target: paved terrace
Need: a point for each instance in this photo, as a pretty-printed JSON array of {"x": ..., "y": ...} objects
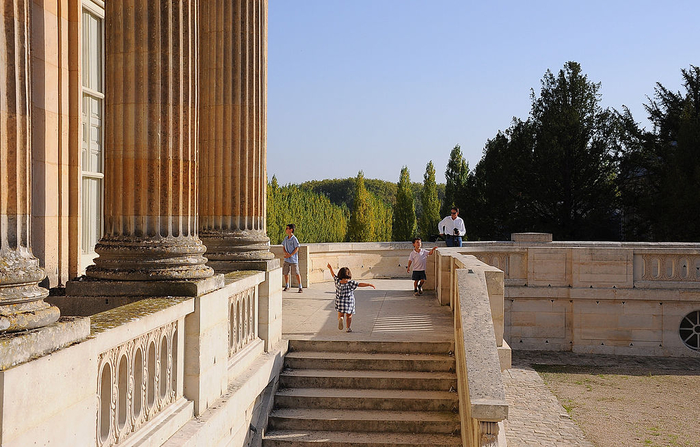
[{"x": 393, "y": 313}]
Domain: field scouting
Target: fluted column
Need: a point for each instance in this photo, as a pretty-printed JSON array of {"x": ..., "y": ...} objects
[
  {"x": 22, "y": 303},
  {"x": 233, "y": 175},
  {"x": 151, "y": 143}
]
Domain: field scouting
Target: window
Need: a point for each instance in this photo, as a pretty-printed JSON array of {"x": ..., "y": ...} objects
[{"x": 92, "y": 155}]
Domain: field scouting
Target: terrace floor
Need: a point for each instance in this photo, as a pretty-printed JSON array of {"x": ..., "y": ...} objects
[{"x": 393, "y": 313}]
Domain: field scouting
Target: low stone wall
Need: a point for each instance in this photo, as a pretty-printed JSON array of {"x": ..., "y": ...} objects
[
  {"x": 483, "y": 407},
  {"x": 599, "y": 297},
  {"x": 170, "y": 371},
  {"x": 366, "y": 260}
]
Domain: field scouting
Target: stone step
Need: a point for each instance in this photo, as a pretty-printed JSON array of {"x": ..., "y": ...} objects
[
  {"x": 355, "y": 439},
  {"x": 389, "y": 347},
  {"x": 387, "y": 380},
  {"x": 304, "y": 419},
  {"x": 350, "y": 399},
  {"x": 368, "y": 361}
]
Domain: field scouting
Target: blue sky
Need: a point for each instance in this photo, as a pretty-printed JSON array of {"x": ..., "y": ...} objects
[{"x": 375, "y": 85}]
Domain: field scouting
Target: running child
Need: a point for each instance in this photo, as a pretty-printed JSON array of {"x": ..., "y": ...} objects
[
  {"x": 418, "y": 258},
  {"x": 345, "y": 296}
]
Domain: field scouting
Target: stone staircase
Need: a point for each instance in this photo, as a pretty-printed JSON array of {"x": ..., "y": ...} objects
[{"x": 337, "y": 393}]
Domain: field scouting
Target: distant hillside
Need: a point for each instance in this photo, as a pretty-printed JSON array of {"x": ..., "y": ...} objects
[{"x": 341, "y": 191}]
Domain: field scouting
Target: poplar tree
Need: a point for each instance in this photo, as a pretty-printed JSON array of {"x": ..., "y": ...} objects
[
  {"x": 431, "y": 204},
  {"x": 456, "y": 177},
  {"x": 361, "y": 227},
  {"x": 404, "y": 222}
]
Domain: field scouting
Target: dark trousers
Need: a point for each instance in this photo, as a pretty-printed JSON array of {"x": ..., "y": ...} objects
[{"x": 453, "y": 241}]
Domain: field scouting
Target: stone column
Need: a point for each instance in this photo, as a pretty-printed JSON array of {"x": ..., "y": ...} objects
[
  {"x": 22, "y": 303},
  {"x": 233, "y": 175},
  {"x": 151, "y": 144}
]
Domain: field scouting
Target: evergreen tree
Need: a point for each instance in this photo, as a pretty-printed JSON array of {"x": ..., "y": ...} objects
[
  {"x": 456, "y": 176},
  {"x": 572, "y": 188},
  {"x": 404, "y": 223},
  {"x": 665, "y": 167},
  {"x": 430, "y": 215},
  {"x": 291, "y": 204},
  {"x": 499, "y": 200},
  {"x": 362, "y": 218}
]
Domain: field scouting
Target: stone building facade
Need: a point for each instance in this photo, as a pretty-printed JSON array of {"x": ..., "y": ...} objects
[{"x": 132, "y": 141}]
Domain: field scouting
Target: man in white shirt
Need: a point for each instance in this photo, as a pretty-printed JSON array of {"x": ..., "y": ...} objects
[{"x": 452, "y": 228}]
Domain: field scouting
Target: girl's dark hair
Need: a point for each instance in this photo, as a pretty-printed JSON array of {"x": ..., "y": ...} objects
[{"x": 344, "y": 273}]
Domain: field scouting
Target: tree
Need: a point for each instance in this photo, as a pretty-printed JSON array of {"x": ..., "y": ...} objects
[
  {"x": 431, "y": 204},
  {"x": 666, "y": 164},
  {"x": 404, "y": 226},
  {"x": 499, "y": 196},
  {"x": 573, "y": 184},
  {"x": 456, "y": 176},
  {"x": 362, "y": 218},
  {"x": 291, "y": 204}
]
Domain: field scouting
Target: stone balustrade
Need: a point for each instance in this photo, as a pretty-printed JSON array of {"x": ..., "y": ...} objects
[
  {"x": 242, "y": 317},
  {"x": 591, "y": 297},
  {"x": 155, "y": 371},
  {"x": 482, "y": 400},
  {"x": 137, "y": 381}
]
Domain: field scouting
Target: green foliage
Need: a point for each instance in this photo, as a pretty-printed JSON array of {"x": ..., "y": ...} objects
[
  {"x": 660, "y": 170},
  {"x": 362, "y": 220},
  {"x": 554, "y": 172},
  {"x": 315, "y": 217},
  {"x": 456, "y": 177},
  {"x": 382, "y": 215},
  {"x": 370, "y": 219},
  {"x": 430, "y": 204},
  {"x": 404, "y": 226},
  {"x": 342, "y": 191}
]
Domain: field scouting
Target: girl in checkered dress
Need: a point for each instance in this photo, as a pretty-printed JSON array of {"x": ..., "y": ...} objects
[{"x": 344, "y": 295}]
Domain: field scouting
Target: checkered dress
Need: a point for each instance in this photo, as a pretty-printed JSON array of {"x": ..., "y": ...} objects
[{"x": 344, "y": 296}]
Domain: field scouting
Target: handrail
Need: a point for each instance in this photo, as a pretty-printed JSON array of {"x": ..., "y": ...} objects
[{"x": 480, "y": 385}]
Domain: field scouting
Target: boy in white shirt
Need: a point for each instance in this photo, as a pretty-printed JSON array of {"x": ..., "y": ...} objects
[{"x": 418, "y": 259}]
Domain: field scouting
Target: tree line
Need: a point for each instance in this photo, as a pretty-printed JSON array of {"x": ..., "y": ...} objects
[
  {"x": 355, "y": 209},
  {"x": 582, "y": 172},
  {"x": 571, "y": 168}
]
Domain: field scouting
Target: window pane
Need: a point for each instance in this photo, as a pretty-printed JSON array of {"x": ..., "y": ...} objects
[
  {"x": 92, "y": 213},
  {"x": 92, "y": 51}
]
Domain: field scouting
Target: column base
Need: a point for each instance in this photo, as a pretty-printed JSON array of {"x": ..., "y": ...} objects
[
  {"x": 232, "y": 266},
  {"x": 86, "y": 286},
  {"x": 16, "y": 348}
]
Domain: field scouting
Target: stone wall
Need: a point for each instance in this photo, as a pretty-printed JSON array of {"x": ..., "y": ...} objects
[
  {"x": 597, "y": 297},
  {"x": 148, "y": 368},
  {"x": 366, "y": 260}
]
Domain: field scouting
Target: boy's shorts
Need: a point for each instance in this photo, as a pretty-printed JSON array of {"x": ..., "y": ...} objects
[
  {"x": 418, "y": 275},
  {"x": 287, "y": 266}
]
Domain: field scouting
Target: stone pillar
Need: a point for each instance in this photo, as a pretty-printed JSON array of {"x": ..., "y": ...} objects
[
  {"x": 151, "y": 144},
  {"x": 22, "y": 303},
  {"x": 233, "y": 176}
]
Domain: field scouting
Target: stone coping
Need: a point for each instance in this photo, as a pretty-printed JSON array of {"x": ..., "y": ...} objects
[
  {"x": 486, "y": 388},
  {"x": 20, "y": 347},
  {"x": 86, "y": 286},
  {"x": 133, "y": 312}
]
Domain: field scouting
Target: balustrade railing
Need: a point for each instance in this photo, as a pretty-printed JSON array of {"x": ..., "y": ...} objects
[
  {"x": 675, "y": 266},
  {"x": 136, "y": 381},
  {"x": 242, "y": 317}
]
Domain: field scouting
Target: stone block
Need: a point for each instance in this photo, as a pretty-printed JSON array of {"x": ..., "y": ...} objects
[
  {"x": 549, "y": 267},
  {"x": 85, "y": 286},
  {"x": 531, "y": 237},
  {"x": 50, "y": 400},
  {"x": 20, "y": 347},
  {"x": 601, "y": 267}
]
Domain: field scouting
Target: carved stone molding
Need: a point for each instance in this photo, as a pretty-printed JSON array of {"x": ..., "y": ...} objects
[{"x": 136, "y": 381}]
